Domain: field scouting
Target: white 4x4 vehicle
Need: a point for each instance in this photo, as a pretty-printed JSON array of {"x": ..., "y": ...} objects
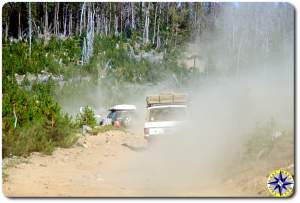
[{"x": 165, "y": 112}]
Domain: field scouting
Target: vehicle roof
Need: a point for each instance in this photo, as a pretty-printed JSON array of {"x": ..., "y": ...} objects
[
  {"x": 123, "y": 107},
  {"x": 167, "y": 106}
]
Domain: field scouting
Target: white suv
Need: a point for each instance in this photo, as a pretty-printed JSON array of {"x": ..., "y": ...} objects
[{"x": 163, "y": 119}]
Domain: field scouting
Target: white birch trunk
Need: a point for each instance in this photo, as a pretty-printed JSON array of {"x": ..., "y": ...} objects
[
  {"x": 56, "y": 20},
  {"x": 121, "y": 23},
  {"x": 87, "y": 49},
  {"x": 15, "y": 116},
  {"x": 65, "y": 20},
  {"x": 30, "y": 26},
  {"x": 98, "y": 24},
  {"x": 19, "y": 27},
  {"x": 46, "y": 21},
  {"x": 146, "y": 26},
  {"x": 77, "y": 23},
  {"x": 82, "y": 18},
  {"x": 109, "y": 21},
  {"x": 6, "y": 30},
  {"x": 105, "y": 26},
  {"x": 154, "y": 27},
  {"x": 70, "y": 22},
  {"x": 116, "y": 25},
  {"x": 158, "y": 43},
  {"x": 132, "y": 16}
]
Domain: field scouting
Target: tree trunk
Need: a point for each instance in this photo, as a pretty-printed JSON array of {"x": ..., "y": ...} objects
[
  {"x": 65, "y": 17},
  {"x": 70, "y": 22},
  {"x": 175, "y": 43},
  {"x": 109, "y": 22},
  {"x": 56, "y": 20},
  {"x": 82, "y": 18},
  {"x": 116, "y": 25},
  {"x": 121, "y": 23},
  {"x": 30, "y": 26},
  {"x": 87, "y": 49},
  {"x": 6, "y": 29},
  {"x": 46, "y": 22},
  {"x": 97, "y": 23},
  {"x": 154, "y": 27},
  {"x": 105, "y": 26},
  {"x": 15, "y": 115},
  {"x": 158, "y": 43},
  {"x": 19, "y": 27},
  {"x": 132, "y": 16},
  {"x": 78, "y": 22},
  {"x": 146, "y": 27}
]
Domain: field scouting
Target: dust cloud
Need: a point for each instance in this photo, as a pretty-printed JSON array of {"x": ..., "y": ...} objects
[
  {"x": 248, "y": 78},
  {"x": 246, "y": 66}
]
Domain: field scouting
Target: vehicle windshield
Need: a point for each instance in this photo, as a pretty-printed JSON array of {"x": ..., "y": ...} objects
[
  {"x": 114, "y": 115},
  {"x": 167, "y": 114}
]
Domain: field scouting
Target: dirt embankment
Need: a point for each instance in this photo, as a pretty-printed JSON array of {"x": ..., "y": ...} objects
[{"x": 116, "y": 163}]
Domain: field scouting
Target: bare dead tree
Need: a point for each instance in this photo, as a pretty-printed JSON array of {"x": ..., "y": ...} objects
[
  {"x": 30, "y": 27},
  {"x": 46, "y": 21},
  {"x": 132, "y": 16},
  {"x": 19, "y": 25},
  {"x": 116, "y": 25},
  {"x": 105, "y": 26},
  {"x": 70, "y": 21},
  {"x": 146, "y": 25},
  {"x": 158, "y": 43},
  {"x": 56, "y": 20},
  {"x": 121, "y": 18},
  {"x": 87, "y": 48},
  {"x": 154, "y": 27},
  {"x": 82, "y": 16},
  {"x": 65, "y": 17},
  {"x": 109, "y": 21}
]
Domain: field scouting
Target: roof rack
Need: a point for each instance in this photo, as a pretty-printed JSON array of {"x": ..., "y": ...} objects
[{"x": 166, "y": 98}]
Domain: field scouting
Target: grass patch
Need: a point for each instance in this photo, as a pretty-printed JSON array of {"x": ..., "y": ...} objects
[
  {"x": 102, "y": 129},
  {"x": 265, "y": 137}
]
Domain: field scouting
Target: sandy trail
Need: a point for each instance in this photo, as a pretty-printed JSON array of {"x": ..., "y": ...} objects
[
  {"x": 97, "y": 166},
  {"x": 104, "y": 166},
  {"x": 83, "y": 170}
]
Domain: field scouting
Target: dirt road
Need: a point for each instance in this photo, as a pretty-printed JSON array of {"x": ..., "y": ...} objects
[
  {"x": 87, "y": 169},
  {"x": 109, "y": 164}
]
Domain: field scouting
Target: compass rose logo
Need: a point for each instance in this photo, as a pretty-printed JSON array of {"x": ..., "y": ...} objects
[{"x": 280, "y": 183}]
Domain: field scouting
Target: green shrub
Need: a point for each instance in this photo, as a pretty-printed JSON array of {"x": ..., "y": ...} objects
[
  {"x": 37, "y": 136},
  {"x": 86, "y": 117},
  {"x": 40, "y": 123},
  {"x": 52, "y": 56}
]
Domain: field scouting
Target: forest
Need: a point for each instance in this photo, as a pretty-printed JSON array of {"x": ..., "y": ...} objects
[
  {"x": 158, "y": 24},
  {"x": 68, "y": 40},
  {"x": 52, "y": 49}
]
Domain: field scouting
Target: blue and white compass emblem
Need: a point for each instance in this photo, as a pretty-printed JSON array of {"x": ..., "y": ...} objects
[{"x": 280, "y": 183}]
